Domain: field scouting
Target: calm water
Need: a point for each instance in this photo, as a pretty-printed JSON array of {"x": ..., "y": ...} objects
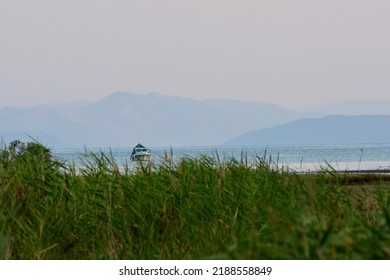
[{"x": 297, "y": 157}]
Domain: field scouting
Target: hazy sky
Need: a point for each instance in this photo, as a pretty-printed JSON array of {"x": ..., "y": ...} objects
[{"x": 294, "y": 53}]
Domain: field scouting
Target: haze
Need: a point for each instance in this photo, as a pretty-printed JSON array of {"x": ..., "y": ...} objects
[{"x": 292, "y": 53}]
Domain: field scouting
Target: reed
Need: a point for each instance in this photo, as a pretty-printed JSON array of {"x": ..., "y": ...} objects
[{"x": 193, "y": 208}]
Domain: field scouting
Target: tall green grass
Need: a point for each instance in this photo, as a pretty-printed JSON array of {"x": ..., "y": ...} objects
[{"x": 196, "y": 208}]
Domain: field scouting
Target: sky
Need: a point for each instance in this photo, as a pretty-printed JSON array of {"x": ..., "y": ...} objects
[{"x": 293, "y": 53}]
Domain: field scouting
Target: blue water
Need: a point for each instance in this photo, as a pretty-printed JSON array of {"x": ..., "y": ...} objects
[{"x": 297, "y": 157}]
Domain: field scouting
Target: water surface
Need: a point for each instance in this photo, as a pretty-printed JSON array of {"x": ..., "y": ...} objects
[{"x": 298, "y": 157}]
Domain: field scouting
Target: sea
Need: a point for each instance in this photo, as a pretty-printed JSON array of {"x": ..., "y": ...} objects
[{"x": 299, "y": 158}]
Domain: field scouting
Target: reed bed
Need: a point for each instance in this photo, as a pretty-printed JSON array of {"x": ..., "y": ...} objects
[{"x": 195, "y": 208}]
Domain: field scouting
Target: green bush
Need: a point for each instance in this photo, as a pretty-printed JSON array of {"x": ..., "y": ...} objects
[{"x": 197, "y": 208}]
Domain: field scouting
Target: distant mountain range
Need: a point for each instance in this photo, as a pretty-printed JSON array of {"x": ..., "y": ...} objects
[
  {"x": 125, "y": 119},
  {"x": 362, "y": 107},
  {"x": 327, "y": 130}
]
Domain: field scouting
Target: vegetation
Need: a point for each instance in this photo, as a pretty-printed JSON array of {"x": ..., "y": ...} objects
[{"x": 197, "y": 208}]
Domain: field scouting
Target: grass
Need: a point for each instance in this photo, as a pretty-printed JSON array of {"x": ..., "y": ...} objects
[{"x": 195, "y": 208}]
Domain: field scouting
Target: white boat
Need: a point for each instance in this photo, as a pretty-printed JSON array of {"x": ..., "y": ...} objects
[{"x": 140, "y": 153}]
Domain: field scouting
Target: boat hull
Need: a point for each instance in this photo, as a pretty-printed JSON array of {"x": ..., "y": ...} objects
[{"x": 141, "y": 157}]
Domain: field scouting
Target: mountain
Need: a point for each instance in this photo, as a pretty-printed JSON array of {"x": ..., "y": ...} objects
[
  {"x": 327, "y": 130},
  {"x": 360, "y": 107},
  {"x": 124, "y": 119}
]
